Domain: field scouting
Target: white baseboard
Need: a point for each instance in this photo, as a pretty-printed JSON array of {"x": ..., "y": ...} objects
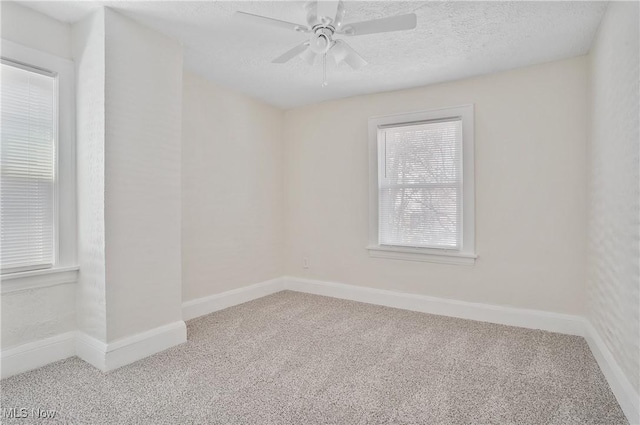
[
  {"x": 36, "y": 354},
  {"x": 205, "y": 305},
  {"x": 627, "y": 397},
  {"x": 121, "y": 352},
  {"x": 91, "y": 350},
  {"x": 533, "y": 319}
]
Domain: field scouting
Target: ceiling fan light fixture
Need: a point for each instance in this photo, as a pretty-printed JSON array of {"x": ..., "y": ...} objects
[
  {"x": 324, "y": 19},
  {"x": 320, "y": 42},
  {"x": 309, "y": 56}
]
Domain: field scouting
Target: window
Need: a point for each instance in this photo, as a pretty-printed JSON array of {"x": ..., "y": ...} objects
[
  {"x": 37, "y": 167},
  {"x": 422, "y": 188},
  {"x": 27, "y": 172}
]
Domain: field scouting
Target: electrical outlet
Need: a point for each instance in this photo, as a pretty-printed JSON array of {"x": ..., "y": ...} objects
[{"x": 305, "y": 262}]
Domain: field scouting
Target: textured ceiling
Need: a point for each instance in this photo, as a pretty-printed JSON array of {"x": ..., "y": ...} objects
[{"x": 453, "y": 40}]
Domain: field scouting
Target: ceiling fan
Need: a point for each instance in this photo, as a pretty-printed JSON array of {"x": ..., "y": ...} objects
[{"x": 324, "y": 22}]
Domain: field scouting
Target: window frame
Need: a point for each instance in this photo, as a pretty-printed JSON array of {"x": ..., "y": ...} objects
[
  {"x": 65, "y": 226},
  {"x": 466, "y": 253}
]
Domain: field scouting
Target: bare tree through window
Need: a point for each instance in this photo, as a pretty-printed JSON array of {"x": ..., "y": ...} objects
[{"x": 420, "y": 188}]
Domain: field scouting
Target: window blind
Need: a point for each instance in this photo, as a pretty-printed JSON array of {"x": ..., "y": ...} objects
[
  {"x": 420, "y": 185},
  {"x": 27, "y": 173}
]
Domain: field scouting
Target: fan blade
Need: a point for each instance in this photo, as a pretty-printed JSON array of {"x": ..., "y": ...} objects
[
  {"x": 291, "y": 53},
  {"x": 263, "y": 20},
  {"x": 342, "y": 52},
  {"x": 394, "y": 23},
  {"x": 327, "y": 9}
]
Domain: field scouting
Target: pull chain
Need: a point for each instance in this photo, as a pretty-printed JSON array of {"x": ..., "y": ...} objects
[{"x": 324, "y": 71}]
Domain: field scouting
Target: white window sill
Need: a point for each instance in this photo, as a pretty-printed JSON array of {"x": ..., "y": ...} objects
[
  {"x": 422, "y": 254},
  {"x": 24, "y": 281}
]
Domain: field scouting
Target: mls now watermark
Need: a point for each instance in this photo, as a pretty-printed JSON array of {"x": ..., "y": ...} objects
[{"x": 23, "y": 413}]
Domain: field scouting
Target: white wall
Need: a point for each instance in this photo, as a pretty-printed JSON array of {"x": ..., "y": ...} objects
[
  {"x": 89, "y": 55},
  {"x": 530, "y": 134},
  {"x": 232, "y": 190},
  {"x": 128, "y": 176},
  {"x": 33, "y": 29},
  {"x": 129, "y": 183},
  {"x": 142, "y": 177},
  {"x": 613, "y": 289},
  {"x": 39, "y": 313},
  {"x": 35, "y": 314}
]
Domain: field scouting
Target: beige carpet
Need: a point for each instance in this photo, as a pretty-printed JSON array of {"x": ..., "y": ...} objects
[{"x": 292, "y": 358}]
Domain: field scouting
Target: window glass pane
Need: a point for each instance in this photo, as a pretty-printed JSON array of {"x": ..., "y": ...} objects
[
  {"x": 421, "y": 217},
  {"x": 420, "y": 186},
  {"x": 27, "y": 172}
]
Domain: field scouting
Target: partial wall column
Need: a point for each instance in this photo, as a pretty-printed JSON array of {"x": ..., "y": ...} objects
[{"x": 136, "y": 302}]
